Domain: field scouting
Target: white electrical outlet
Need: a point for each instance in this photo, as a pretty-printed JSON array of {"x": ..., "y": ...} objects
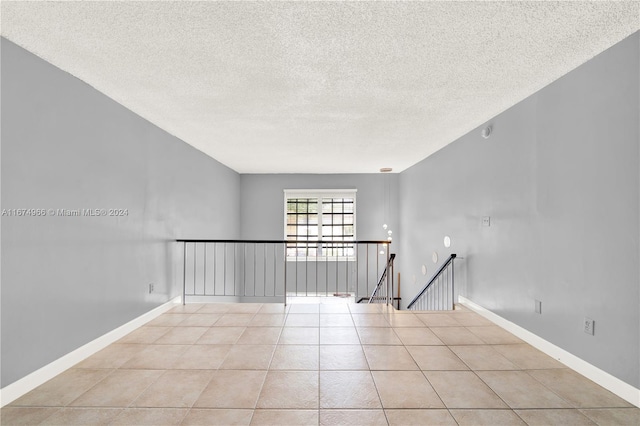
[
  {"x": 486, "y": 221},
  {"x": 589, "y": 326},
  {"x": 538, "y": 307},
  {"x": 150, "y": 288}
]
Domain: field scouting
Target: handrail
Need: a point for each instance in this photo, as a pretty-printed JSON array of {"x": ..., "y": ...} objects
[
  {"x": 432, "y": 280},
  {"x": 367, "y": 298},
  {"x": 284, "y": 241},
  {"x": 392, "y": 256}
]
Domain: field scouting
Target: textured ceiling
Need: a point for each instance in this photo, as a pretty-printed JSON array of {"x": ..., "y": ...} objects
[{"x": 318, "y": 87}]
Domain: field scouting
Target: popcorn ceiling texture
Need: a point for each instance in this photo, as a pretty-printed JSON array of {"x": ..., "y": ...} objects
[{"x": 318, "y": 87}]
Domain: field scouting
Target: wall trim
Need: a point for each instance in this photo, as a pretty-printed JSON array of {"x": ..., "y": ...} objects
[
  {"x": 601, "y": 377},
  {"x": 31, "y": 381}
]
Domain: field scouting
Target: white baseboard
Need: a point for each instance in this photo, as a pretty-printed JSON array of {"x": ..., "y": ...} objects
[
  {"x": 20, "y": 387},
  {"x": 604, "y": 379}
]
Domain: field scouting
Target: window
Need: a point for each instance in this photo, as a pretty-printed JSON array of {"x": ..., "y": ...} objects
[{"x": 320, "y": 223}]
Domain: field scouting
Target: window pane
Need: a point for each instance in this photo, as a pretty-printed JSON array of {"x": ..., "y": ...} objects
[{"x": 303, "y": 224}]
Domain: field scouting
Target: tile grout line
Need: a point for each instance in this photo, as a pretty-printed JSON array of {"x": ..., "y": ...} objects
[
  {"x": 572, "y": 407},
  {"x": 480, "y": 378}
]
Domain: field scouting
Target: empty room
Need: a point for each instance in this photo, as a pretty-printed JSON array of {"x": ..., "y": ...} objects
[{"x": 320, "y": 213}]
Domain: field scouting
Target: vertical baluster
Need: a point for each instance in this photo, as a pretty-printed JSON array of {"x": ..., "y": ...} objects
[
  {"x": 285, "y": 273},
  {"x": 448, "y": 302},
  {"x": 224, "y": 270},
  {"x": 337, "y": 257},
  {"x": 377, "y": 263},
  {"x": 433, "y": 299},
  {"x": 434, "y": 295},
  {"x": 453, "y": 283},
  {"x": 306, "y": 270},
  {"x": 195, "y": 247},
  {"x": 427, "y": 303},
  {"x": 390, "y": 270},
  {"x": 366, "y": 283},
  {"x": 446, "y": 289},
  {"x": 326, "y": 269},
  {"x": 356, "y": 253},
  {"x": 386, "y": 268},
  {"x": 244, "y": 269},
  {"x": 184, "y": 272},
  {"x": 204, "y": 272},
  {"x": 215, "y": 266},
  {"x": 450, "y": 284},
  {"x": 440, "y": 280},
  {"x": 346, "y": 267},
  {"x": 438, "y": 285}
]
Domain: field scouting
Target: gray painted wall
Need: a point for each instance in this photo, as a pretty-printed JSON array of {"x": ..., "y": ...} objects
[
  {"x": 560, "y": 180},
  {"x": 262, "y": 202},
  {"x": 68, "y": 280}
]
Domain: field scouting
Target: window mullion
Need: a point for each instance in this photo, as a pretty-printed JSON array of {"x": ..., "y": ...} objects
[
  {"x": 319, "y": 210},
  {"x": 301, "y": 217}
]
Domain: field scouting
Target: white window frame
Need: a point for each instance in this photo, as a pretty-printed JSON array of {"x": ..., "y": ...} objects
[{"x": 319, "y": 194}]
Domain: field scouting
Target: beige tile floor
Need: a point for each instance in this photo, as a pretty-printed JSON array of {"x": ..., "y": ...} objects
[{"x": 327, "y": 364}]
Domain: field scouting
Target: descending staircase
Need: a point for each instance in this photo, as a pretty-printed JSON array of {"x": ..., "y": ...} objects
[{"x": 438, "y": 293}]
